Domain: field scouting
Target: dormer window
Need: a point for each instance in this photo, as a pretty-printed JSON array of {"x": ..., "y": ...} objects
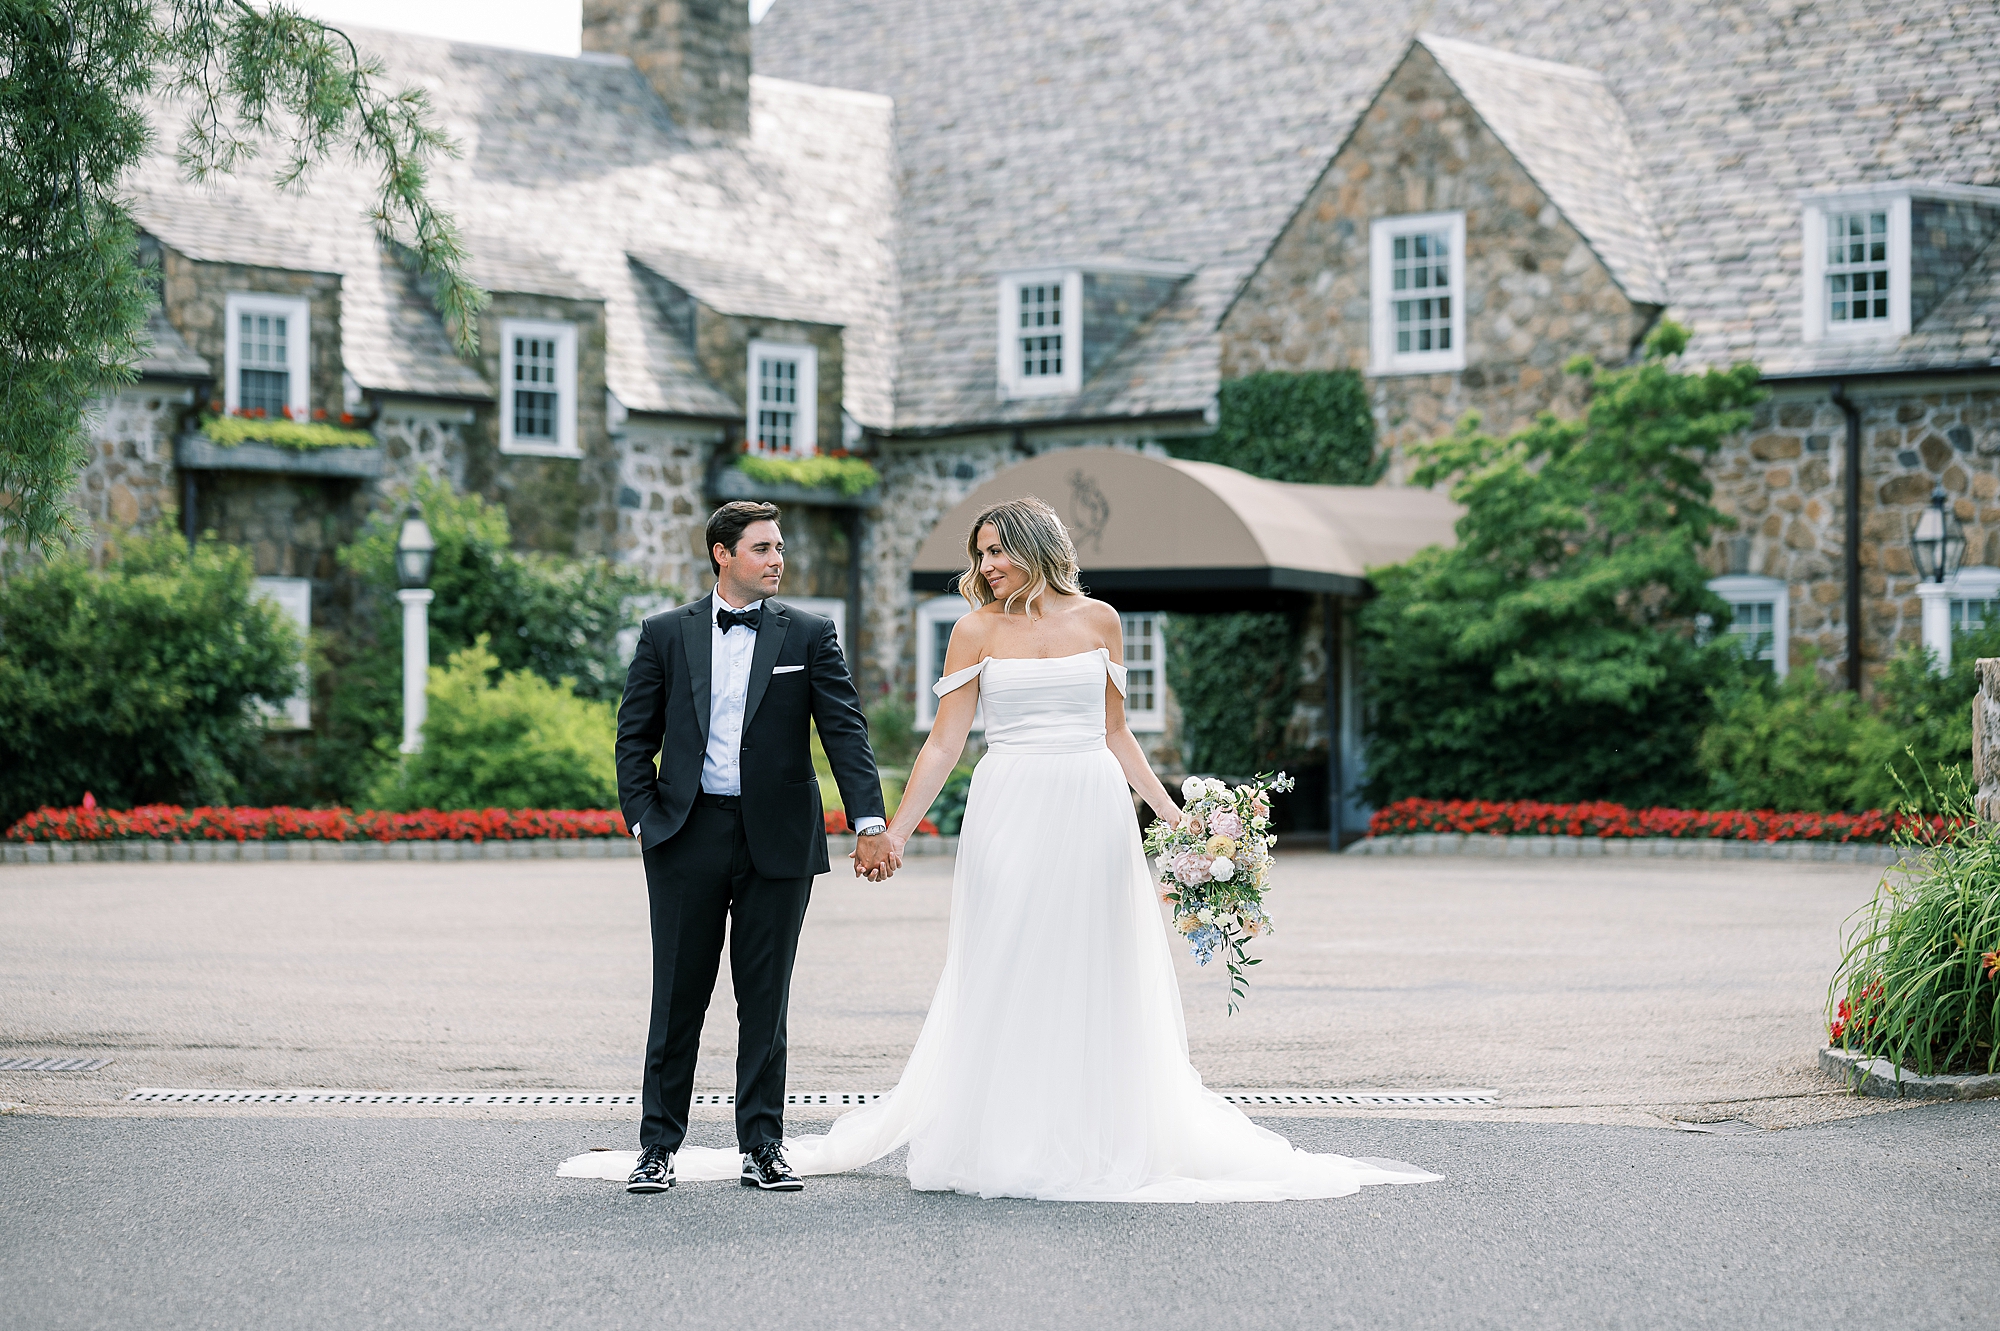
[
  {"x": 1857, "y": 261},
  {"x": 1417, "y": 289},
  {"x": 783, "y": 391},
  {"x": 538, "y": 373},
  {"x": 267, "y": 349},
  {"x": 1041, "y": 334}
]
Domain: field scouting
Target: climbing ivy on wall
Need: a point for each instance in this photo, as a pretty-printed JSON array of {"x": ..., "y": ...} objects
[{"x": 1236, "y": 675}]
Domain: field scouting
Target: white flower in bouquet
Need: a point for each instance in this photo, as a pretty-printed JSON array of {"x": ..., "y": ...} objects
[
  {"x": 1219, "y": 789},
  {"x": 1205, "y": 915},
  {"x": 1193, "y": 788},
  {"x": 1222, "y": 870}
]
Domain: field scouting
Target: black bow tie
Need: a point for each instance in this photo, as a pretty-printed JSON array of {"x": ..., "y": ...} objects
[{"x": 727, "y": 619}]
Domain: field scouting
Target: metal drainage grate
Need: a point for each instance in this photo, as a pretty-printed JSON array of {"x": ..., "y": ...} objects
[
  {"x": 1278, "y": 1099},
  {"x": 53, "y": 1064}
]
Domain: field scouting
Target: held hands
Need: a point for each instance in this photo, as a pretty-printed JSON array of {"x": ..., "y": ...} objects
[{"x": 877, "y": 856}]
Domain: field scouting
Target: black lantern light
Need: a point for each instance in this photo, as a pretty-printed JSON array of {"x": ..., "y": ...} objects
[
  {"x": 1939, "y": 543},
  {"x": 416, "y": 548}
]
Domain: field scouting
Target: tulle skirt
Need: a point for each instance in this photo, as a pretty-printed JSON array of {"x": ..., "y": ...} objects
[{"x": 1053, "y": 1063}]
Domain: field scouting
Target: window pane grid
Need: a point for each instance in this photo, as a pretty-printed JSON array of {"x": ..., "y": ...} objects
[
  {"x": 777, "y": 404},
  {"x": 1857, "y": 267},
  {"x": 535, "y": 390},
  {"x": 1757, "y": 621},
  {"x": 263, "y": 376},
  {"x": 1142, "y": 663},
  {"x": 1971, "y": 616},
  {"x": 1420, "y": 280},
  {"x": 1041, "y": 336}
]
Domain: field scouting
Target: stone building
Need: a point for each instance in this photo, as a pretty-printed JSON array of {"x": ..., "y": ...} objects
[{"x": 964, "y": 236}]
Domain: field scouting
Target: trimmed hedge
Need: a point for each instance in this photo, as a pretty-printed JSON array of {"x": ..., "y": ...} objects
[{"x": 1599, "y": 819}]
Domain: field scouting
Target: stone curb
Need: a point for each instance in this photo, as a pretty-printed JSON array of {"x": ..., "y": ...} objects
[
  {"x": 1585, "y": 847},
  {"x": 262, "y": 852},
  {"x": 1878, "y": 1077}
]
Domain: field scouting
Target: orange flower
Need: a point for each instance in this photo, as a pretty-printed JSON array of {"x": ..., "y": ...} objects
[{"x": 1991, "y": 961}]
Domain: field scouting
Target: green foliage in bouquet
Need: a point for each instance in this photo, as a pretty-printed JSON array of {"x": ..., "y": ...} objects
[
  {"x": 136, "y": 682},
  {"x": 1215, "y": 866},
  {"x": 555, "y": 616},
  {"x": 1553, "y": 653},
  {"x": 1919, "y": 983},
  {"x": 498, "y": 739}
]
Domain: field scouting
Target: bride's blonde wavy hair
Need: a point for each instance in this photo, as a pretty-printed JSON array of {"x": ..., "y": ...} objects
[{"x": 1035, "y": 540}]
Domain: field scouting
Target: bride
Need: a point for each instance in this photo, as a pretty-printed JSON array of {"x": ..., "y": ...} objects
[{"x": 1053, "y": 1063}]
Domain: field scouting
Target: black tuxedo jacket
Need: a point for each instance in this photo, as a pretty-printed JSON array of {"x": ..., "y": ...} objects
[{"x": 665, "y": 713}]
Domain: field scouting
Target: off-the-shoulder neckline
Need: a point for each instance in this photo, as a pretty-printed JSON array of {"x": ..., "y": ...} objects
[{"x": 1071, "y": 657}]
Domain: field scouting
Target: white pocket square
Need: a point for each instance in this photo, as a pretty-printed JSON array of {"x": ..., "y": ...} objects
[{"x": 785, "y": 670}]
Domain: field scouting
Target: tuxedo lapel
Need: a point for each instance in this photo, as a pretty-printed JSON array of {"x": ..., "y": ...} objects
[
  {"x": 697, "y": 638},
  {"x": 770, "y": 637}
]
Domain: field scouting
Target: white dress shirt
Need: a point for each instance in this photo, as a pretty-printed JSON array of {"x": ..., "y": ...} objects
[{"x": 729, "y": 656}]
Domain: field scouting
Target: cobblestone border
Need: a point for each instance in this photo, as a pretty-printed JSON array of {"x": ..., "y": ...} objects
[
  {"x": 1577, "y": 847},
  {"x": 262, "y": 852},
  {"x": 1878, "y": 1077}
]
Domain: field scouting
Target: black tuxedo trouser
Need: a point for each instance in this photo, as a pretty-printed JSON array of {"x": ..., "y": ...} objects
[{"x": 697, "y": 879}]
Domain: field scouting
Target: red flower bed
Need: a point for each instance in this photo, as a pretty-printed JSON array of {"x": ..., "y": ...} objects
[
  {"x": 1532, "y": 818},
  {"x": 170, "y": 822}
]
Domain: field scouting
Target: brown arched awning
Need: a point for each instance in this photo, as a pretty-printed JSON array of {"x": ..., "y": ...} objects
[{"x": 1156, "y": 529}]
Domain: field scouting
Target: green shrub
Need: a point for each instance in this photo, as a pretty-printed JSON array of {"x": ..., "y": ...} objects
[
  {"x": 1796, "y": 746},
  {"x": 1800, "y": 745},
  {"x": 1236, "y": 678},
  {"x": 892, "y": 731},
  {"x": 301, "y": 436},
  {"x": 555, "y": 616},
  {"x": 1919, "y": 983},
  {"x": 850, "y": 476},
  {"x": 498, "y": 739},
  {"x": 947, "y": 811},
  {"x": 136, "y": 682},
  {"x": 1314, "y": 427},
  {"x": 1552, "y": 653}
]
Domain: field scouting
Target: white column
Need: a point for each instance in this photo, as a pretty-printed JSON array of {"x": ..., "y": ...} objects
[
  {"x": 416, "y": 662},
  {"x": 1936, "y": 597}
]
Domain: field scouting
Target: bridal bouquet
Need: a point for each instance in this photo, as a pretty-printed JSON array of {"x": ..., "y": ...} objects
[{"x": 1214, "y": 868}]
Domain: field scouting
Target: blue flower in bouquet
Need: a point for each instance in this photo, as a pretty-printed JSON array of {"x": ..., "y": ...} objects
[{"x": 1203, "y": 942}]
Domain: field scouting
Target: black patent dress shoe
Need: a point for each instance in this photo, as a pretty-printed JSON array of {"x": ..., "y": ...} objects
[
  {"x": 655, "y": 1172},
  {"x": 764, "y": 1167}
]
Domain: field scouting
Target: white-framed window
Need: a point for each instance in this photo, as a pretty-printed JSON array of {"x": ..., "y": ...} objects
[
  {"x": 267, "y": 346},
  {"x": 1145, "y": 672},
  {"x": 294, "y": 597},
  {"x": 1760, "y": 616},
  {"x": 934, "y": 620},
  {"x": 1041, "y": 333},
  {"x": 1975, "y": 599},
  {"x": 782, "y": 383},
  {"x": 1416, "y": 267},
  {"x": 538, "y": 388},
  {"x": 1857, "y": 266}
]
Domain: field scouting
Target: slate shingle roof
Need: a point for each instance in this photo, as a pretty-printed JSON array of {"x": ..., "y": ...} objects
[
  {"x": 1039, "y": 131},
  {"x": 570, "y": 165}
]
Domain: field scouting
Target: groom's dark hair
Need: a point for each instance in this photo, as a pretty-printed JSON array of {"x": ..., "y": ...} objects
[{"x": 726, "y": 524}]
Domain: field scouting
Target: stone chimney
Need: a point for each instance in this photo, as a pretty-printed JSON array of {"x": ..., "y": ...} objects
[{"x": 695, "y": 53}]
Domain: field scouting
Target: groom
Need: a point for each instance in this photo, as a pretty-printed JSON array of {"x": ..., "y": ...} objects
[{"x": 730, "y": 823}]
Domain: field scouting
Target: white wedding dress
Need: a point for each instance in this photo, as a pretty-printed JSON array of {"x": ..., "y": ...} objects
[{"x": 1054, "y": 1061}]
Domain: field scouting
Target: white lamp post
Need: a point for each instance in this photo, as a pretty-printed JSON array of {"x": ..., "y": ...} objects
[
  {"x": 1938, "y": 546},
  {"x": 415, "y": 549}
]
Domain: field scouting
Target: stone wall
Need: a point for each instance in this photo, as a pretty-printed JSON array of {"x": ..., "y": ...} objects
[
  {"x": 130, "y": 479},
  {"x": 661, "y": 508},
  {"x": 1535, "y": 293},
  {"x": 1781, "y": 482}
]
